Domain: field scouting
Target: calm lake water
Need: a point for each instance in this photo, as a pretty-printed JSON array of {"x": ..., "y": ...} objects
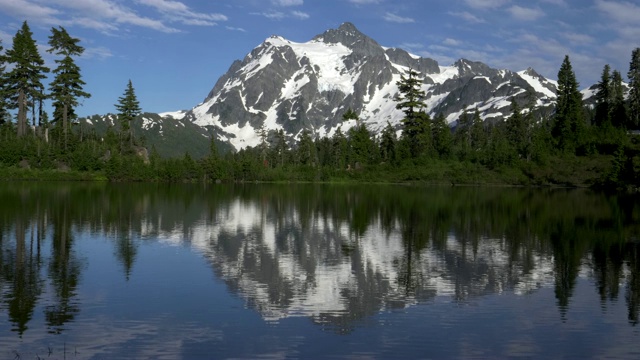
[{"x": 102, "y": 271}]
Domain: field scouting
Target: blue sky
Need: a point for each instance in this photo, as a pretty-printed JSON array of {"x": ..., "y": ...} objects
[{"x": 174, "y": 51}]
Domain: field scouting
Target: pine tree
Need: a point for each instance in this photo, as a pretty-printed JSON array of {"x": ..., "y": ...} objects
[
  {"x": 441, "y": 136},
  {"x": 478, "y": 132},
  {"x": 339, "y": 148},
  {"x": 603, "y": 98},
  {"x": 66, "y": 87},
  {"x": 618, "y": 111},
  {"x": 462, "y": 136},
  {"x": 351, "y": 115},
  {"x": 569, "y": 124},
  {"x": 515, "y": 125},
  {"x": 634, "y": 91},
  {"x": 24, "y": 80},
  {"x": 388, "y": 143},
  {"x": 4, "y": 114},
  {"x": 128, "y": 109},
  {"x": 280, "y": 147},
  {"x": 306, "y": 149},
  {"x": 416, "y": 121}
]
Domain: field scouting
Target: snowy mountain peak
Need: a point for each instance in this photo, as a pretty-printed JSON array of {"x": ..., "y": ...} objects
[{"x": 290, "y": 86}]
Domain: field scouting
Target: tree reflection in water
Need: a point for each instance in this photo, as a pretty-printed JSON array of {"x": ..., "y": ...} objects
[{"x": 336, "y": 254}]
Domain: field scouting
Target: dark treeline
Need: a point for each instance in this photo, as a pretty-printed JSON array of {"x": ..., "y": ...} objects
[{"x": 571, "y": 144}]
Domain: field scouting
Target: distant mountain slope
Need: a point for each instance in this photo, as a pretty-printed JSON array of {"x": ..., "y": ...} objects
[
  {"x": 289, "y": 86},
  {"x": 292, "y": 86},
  {"x": 171, "y": 136}
]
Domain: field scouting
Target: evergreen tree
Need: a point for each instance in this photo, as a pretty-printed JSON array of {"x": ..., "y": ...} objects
[
  {"x": 4, "y": 113},
  {"x": 388, "y": 143},
  {"x": 515, "y": 124},
  {"x": 360, "y": 145},
  {"x": 603, "y": 98},
  {"x": 66, "y": 87},
  {"x": 569, "y": 124},
  {"x": 416, "y": 120},
  {"x": 441, "y": 133},
  {"x": 306, "y": 149},
  {"x": 618, "y": 111},
  {"x": 462, "y": 136},
  {"x": 280, "y": 148},
  {"x": 350, "y": 115},
  {"x": 478, "y": 132},
  {"x": 634, "y": 91},
  {"x": 128, "y": 109},
  {"x": 339, "y": 149},
  {"x": 24, "y": 80}
]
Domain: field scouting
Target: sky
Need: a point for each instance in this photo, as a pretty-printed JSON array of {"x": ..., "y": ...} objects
[{"x": 175, "y": 51}]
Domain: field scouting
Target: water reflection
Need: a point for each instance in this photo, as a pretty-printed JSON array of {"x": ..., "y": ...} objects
[{"x": 334, "y": 254}]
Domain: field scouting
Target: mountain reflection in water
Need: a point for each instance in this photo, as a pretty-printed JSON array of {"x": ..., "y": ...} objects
[{"x": 338, "y": 255}]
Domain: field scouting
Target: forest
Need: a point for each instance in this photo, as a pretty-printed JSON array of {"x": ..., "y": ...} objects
[{"x": 575, "y": 145}]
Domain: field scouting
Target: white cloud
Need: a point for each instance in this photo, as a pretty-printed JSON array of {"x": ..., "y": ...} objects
[
  {"x": 287, "y": 2},
  {"x": 622, "y": 11},
  {"x": 555, "y": 2},
  {"x": 279, "y": 15},
  {"x": 97, "y": 53},
  {"x": 486, "y": 4},
  {"x": 235, "y": 28},
  {"x": 300, "y": 15},
  {"x": 525, "y": 14},
  {"x": 179, "y": 12},
  {"x": 469, "y": 17},
  {"x": 397, "y": 19},
  {"x": 451, "y": 42},
  {"x": 106, "y": 15},
  {"x": 578, "y": 38},
  {"x": 23, "y": 9}
]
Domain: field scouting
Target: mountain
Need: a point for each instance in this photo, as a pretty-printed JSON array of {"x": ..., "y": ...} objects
[
  {"x": 292, "y": 86},
  {"x": 289, "y": 86}
]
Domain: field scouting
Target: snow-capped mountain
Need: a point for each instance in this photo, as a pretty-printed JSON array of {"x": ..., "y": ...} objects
[{"x": 291, "y": 86}]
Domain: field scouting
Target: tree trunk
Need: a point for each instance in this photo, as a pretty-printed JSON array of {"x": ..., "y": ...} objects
[
  {"x": 22, "y": 116},
  {"x": 64, "y": 124}
]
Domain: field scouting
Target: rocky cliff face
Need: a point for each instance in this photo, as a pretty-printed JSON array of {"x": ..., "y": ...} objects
[{"x": 289, "y": 86}]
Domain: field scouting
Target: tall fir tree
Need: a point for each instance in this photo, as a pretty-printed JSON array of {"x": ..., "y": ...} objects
[
  {"x": 478, "y": 132},
  {"x": 128, "y": 109},
  {"x": 416, "y": 120},
  {"x": 66, "y": 87},
  {"x": 618, "y": 110},
  {"x": 306, "y": 151},
  {"x": 4, "y": 113},
  {"x": 441, "y": 134},
  {"x": 23, "y": 82},
  {"x": 569, "y": 124},
  {"x": 462, "y": 136},
  {"x": 388, "y": 140},
  {"x": 634, "y": 89},
  {"x": 603, "y": 98}
]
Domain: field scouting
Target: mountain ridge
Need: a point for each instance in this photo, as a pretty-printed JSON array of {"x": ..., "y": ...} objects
[{"x": 290, "y": 86}]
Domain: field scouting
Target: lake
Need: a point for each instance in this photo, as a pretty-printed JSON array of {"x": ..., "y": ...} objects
[{"x": 187, "y": 271}]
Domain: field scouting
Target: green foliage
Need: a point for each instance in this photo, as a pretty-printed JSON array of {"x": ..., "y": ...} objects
[
  {"x": 128, "y": 109},
  {"x": 603, "y": 98},
  {"x": 388, "y": 143},
  {"x": 416, "y": 123},
  {"x": 569, "y": 126},
  {"x": 634, "y": 91},
  {"x": 24, "y": 81},
  {"x": 442, "y": 138},
  {"x": 67, "y": 84}
]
